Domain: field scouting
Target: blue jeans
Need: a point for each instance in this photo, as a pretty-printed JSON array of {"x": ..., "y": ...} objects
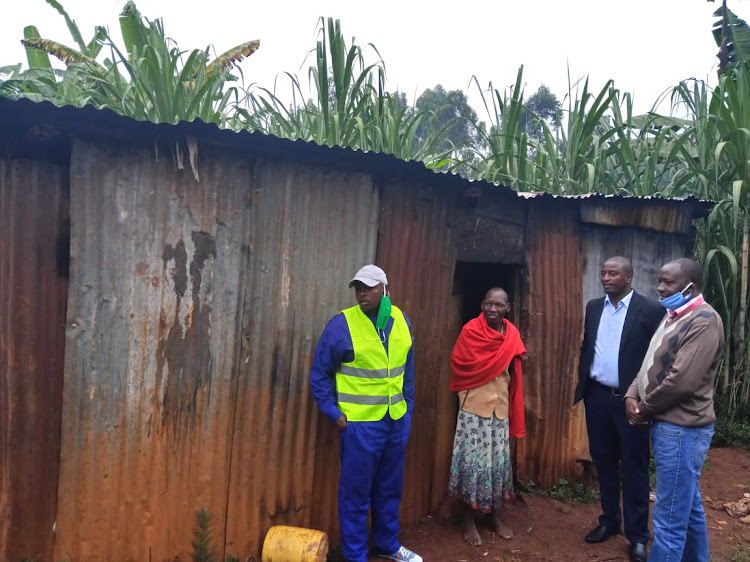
[{"x": 680, "y": 533}]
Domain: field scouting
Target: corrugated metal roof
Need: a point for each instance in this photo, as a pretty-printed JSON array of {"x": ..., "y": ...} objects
[
  {"x": 33, "y": 295},
  {"x": 604, "y": 197},
  {"x": 104, "y": 122},
  {"x": 99, "y": 123},
  {"x": 658, "y": 219}
]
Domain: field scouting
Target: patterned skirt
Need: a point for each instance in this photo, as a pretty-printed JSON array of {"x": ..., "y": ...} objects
[{"x": 481, "y": 471}]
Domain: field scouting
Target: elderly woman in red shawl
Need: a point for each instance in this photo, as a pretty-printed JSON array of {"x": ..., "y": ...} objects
[{"x": 486, "y": 365}]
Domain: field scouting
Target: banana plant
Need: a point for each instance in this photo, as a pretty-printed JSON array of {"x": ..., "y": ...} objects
[
  {"x": 150, "y": 79},
  {"x": 732, "y": 36}
]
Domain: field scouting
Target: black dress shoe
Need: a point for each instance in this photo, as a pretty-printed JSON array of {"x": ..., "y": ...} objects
[
  {"x": 601, "y": 534},
  {"x": 638, "y": 552}
]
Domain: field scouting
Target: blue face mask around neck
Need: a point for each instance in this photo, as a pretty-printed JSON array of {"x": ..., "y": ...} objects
[{"x": 678, "y": 299}]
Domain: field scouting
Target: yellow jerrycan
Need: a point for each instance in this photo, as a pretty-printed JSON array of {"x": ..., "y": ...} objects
[{"x": 294, "y": 544}]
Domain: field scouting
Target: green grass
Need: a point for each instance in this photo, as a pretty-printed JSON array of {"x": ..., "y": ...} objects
[
  {"x": 732, "y": 429},
  {"x": 563, "y": 490},
  {"x": 741, "y": 553}
]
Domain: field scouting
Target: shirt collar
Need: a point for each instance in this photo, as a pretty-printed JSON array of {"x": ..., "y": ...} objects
[
  {"x": 689, "y": 305},
  {"x": 625, "y": 301}
]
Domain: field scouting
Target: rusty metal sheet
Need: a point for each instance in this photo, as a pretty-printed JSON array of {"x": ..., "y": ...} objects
[
  {"x": 417, "y": 249},
  {"x": 33, "y": 296},
  {"x": 158, "y": 261},
  {"x": 644, "y": 214},
  {"x": 200, "y": 283},
  {"x": 311, "y": 230},
  {"x": 553, "y": 322}
]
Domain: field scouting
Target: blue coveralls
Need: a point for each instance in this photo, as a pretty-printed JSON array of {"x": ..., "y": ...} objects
[{"x": 372, "y": 453}]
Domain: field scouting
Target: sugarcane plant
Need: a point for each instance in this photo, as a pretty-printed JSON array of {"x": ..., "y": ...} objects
[
  {"x": 345, "y": 103},
  {"x": 720, "y": 142}
]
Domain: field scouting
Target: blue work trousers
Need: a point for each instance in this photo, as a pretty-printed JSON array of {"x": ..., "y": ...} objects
[{"x": 372, "y": 477}]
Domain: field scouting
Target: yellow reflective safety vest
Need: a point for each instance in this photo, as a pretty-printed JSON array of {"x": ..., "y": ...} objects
[{"x": 373, "y": 383}]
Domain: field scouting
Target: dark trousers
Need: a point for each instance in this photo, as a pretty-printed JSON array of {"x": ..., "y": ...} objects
[{"x": 620, "y": 453}]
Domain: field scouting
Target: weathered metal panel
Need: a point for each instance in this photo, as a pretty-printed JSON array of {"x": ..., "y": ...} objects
[
  {"x": 491, "y": 241},
  {"x": 597, "y": 244},
  {"x": 157, "y": 265},
  {"x": 553, "y": 337},
  {"x": 417, "y": 249},
  {"x": 494, "y": 230},
  {"x": 648, "y": 215},
  {"x": 648, "y": 251},
  {"x": 33, "y": 296},
  {"x": 311, "y": 230}
]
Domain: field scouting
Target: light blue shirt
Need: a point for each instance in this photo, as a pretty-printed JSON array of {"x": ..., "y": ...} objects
[{"x": 604, "y": 368}]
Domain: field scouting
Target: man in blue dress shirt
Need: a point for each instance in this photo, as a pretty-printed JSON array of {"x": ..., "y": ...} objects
[
  {"x": 617, "y": 332},
  {"x": 362, "y": 378}
]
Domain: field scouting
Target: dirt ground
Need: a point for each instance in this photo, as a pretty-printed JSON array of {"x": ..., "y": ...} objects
[{"x": 548, "y": 530}]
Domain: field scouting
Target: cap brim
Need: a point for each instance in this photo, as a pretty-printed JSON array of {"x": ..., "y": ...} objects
[{"x": 366, "y": 281}]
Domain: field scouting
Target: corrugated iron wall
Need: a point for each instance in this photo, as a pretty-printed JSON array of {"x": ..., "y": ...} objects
[
  {"x": 417, "y": 249},
  {"x": 647, "y": 250},
  {"x": 311, "y": 230},
  {"x": 554, "y": 319},
  {"x": 33, "y": 296},
  {"x": 157, "y": 262},
  {"x": 194, "y": 311}
]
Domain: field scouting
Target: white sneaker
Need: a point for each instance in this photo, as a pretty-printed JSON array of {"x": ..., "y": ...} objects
[{"x": 403, "y": 554}]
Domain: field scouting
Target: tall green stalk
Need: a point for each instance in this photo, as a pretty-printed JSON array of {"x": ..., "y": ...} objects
[{"x": 348, "y": 106}]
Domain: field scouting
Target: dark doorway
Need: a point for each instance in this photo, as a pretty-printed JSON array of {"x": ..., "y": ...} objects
[{"x": 471, "y": 281}]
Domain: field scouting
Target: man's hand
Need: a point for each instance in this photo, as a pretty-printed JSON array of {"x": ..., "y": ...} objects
[
  {"x": 633, "y": 412},
  {"x": 341, "y": 422}
]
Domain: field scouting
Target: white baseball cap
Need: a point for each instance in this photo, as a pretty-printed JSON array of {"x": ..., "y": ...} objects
[{"x": 370, "y": 275}]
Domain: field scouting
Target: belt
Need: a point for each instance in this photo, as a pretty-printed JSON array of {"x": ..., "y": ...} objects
[{"x": 611, "y": 390}]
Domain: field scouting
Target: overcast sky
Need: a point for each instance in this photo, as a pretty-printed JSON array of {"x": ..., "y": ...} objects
[{"x": 646, "y": 46}]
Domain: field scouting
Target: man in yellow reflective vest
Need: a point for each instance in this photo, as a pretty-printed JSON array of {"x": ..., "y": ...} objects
[{"x": 362, "y": 378}]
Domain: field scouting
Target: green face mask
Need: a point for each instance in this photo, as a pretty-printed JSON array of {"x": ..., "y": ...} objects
[{"x": 384, "y": 313}]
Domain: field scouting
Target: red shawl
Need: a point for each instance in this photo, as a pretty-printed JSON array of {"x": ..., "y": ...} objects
[{"x": 481, "y": 354}]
